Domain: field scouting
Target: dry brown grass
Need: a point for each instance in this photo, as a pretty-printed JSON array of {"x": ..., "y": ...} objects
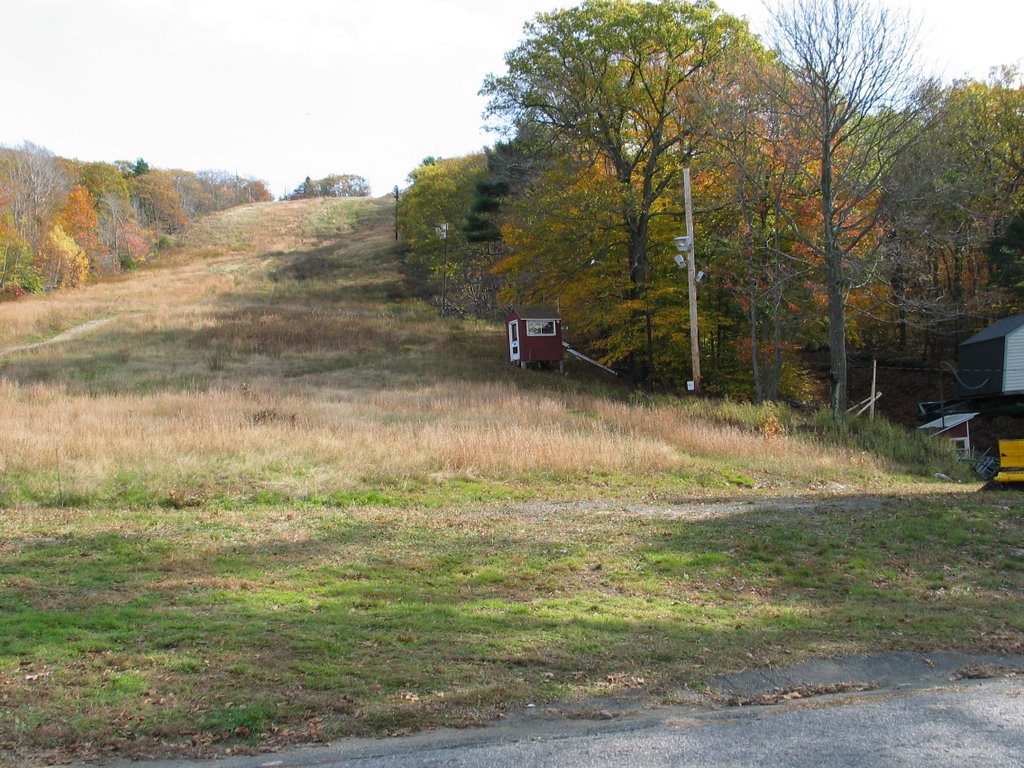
[
  {"x": 262, "y": 357},
  {"x": 235, "y": 441}
]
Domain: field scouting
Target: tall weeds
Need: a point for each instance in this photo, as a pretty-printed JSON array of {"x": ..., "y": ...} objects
[{"x": 899, "y": 448}]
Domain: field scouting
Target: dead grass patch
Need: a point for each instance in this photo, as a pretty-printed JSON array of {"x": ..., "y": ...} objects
[
  {"x": 235, "y": 441},
  {"x": 292, "y": 330}
]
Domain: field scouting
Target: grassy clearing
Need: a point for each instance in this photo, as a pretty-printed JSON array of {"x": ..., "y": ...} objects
[
  {"x": 191, "y": 631},
  {"x": 277, "y": 499}
]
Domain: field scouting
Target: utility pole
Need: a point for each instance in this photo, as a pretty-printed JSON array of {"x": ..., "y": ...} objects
[
  {"x": 395, "y": 192},
  {"x": 442, "y": 232},
  {"x": 691, "y": 280}
]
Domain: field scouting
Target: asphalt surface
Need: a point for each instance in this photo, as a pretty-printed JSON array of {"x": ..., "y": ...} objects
[{"x": 894, "y": 710}]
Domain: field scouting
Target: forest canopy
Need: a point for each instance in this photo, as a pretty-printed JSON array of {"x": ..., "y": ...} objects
[
  {"x": 62, "y": 221},
  {"x": 891, "y": 228}
]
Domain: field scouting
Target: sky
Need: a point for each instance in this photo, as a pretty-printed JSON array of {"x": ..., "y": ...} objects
[{"x": 284, "y": 89}]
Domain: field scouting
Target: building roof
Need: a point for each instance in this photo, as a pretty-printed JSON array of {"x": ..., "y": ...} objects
[
  {"x": 945, "y": 423},
  {"x": 997, "y": 330},
  {"x": 535, "y": 313}
]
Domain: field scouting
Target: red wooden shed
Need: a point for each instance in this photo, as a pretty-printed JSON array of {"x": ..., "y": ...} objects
[
  {"x": 534, "y": 335},
  {"x": 956, "y": 427}
]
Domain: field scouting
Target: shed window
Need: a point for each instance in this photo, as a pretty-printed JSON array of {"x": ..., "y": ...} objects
[
  {"x": 962, "y": 445},
  {"x": 540, "y": 327}
]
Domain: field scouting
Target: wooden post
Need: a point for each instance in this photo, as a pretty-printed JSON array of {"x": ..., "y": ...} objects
[
  {"x": 691, "y": 279},
  {"x": 874, "y": 379}
]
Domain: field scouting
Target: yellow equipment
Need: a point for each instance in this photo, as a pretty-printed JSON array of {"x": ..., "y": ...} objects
[{"x": 1011, "y": 462}]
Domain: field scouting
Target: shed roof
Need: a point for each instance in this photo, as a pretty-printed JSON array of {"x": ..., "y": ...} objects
[
  {"x": 539, "y": 313},
  {"x": 945, "y": 423},
  {"x": 998, "y": 329}
]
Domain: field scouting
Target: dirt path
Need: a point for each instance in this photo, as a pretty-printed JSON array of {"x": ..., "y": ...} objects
[
  {"x": 71, "y": 333},
  {"x": 842, "y": 497}
]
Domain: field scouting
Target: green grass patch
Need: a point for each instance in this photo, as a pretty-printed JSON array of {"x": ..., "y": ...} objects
[{"x": 383, "y": 619}]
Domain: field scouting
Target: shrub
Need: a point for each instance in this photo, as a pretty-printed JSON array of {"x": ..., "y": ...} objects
[
  {"x": 12, "y": 292},
  {"x": 766, "y": 419},
  {"x": 908, "y": 449}
]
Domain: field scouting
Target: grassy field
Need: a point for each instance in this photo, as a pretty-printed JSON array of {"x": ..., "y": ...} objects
[{"x": 274, "y": 498}]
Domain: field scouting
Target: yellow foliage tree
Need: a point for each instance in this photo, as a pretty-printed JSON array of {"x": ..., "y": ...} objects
[{"x": 67, "y": 265}]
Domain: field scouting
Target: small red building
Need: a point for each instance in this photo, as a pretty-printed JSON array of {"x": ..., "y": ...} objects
[
  {"x": 956, "y": 427},
  {"x": 534, "y": 335}
]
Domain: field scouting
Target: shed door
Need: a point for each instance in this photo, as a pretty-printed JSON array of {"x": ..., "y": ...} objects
[
  {"x": 513, "y": 341},
  {"x": 1013, "y": 364}
]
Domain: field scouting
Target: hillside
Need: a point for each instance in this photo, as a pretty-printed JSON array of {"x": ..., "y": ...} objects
[
  {"x": 275, "y": 353},
  {"x": 257, "y": 493}
]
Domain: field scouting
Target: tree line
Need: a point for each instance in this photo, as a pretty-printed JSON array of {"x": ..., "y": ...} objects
[
  {"x": 62, "y": 221},
  {"x": 843, "y": 200},
  {"x": 334, "y": 185}
]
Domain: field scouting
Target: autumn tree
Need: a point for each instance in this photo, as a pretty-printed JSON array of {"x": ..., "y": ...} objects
[
  {"x": 565, "y": 243},
  {"x": 980, "y": 135},
  {"x": 129, "y": 168},
  {"x": 344, "y": 185},
  {"x": 334, "y": 185},
  {"x": 194, "y": 198},
  {"x": 16, "y": 273},
  {"x": 851, "y": 66},
  {"x": 747, "y": 152},
  {"x": 80, "y": 221},
  {"x": 431, "y": 215},
  {"x": 604, "y": 85},
  {"x": 65, "y": 263},
  {"x": 62, "y": 219},
  {"x": 953, "y": 200},
  {"x": 36, "y": 186},
  {"x": 157, "y": 202},
  {"x": 104, "y": 180},
  {"x": 217, "y": 190}
]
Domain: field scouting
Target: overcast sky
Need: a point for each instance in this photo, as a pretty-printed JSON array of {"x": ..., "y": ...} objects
[{"x": 282, "y": 89}]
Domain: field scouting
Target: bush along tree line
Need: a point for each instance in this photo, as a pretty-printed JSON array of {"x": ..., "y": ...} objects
[
  {"x": 840, "y": 200},
  {"x": 336, "y": 185},
  {"x": 62, "y": 221}
]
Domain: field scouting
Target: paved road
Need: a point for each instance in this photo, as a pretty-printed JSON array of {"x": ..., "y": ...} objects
[{"x": 925, "y": 715}]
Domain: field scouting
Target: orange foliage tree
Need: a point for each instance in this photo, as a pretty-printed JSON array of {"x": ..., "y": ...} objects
[{"x": 80, "y": 220}]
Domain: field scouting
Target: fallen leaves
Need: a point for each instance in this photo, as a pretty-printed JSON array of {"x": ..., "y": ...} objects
[
  {"x": 782, "y": 695},
  {"x": 987, "y": 672}
]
